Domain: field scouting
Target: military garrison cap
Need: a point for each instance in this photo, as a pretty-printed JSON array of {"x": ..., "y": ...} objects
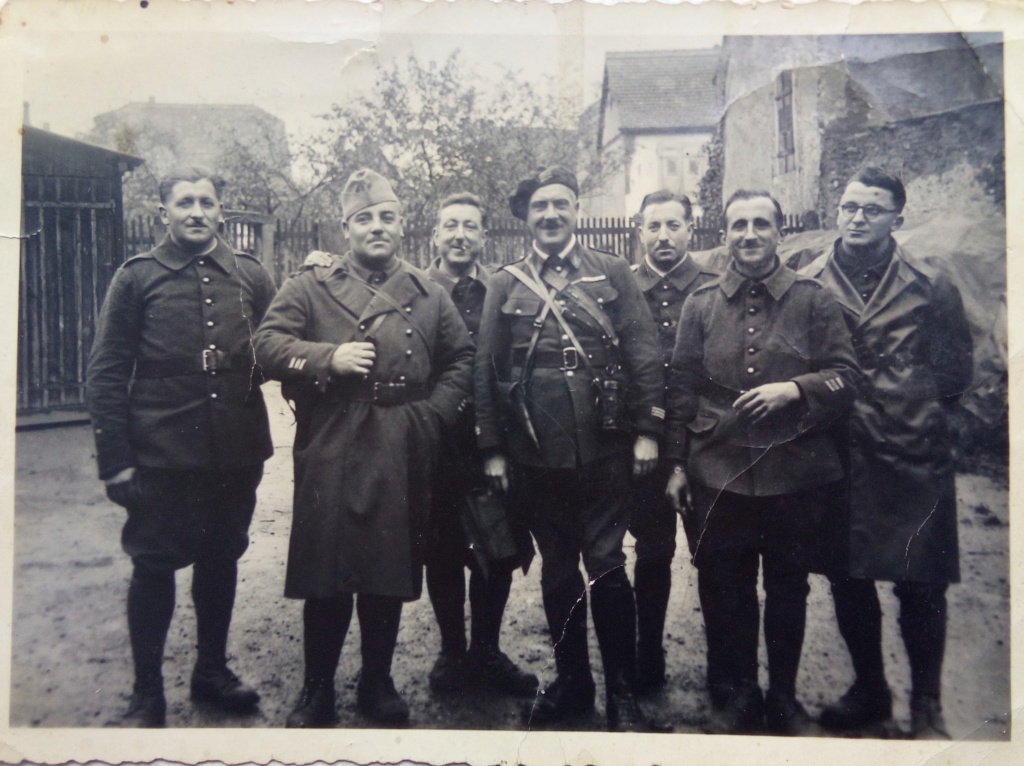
[
  {"x": 543, "y": 176},
  {"x": 363, "y": 189}
]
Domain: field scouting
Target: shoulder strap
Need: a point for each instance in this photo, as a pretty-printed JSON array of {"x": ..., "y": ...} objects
[
  {"x": 585, "y": 302},
  {"x": 400, "y": 310},
  {"x": 534, "y": 283}
]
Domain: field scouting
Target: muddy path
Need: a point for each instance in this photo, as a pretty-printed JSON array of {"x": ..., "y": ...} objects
[{"x": 71, "y": 665}]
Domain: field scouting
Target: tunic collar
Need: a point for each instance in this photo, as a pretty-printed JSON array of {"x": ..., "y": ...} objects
[
  {"x": 170, "y": 255},
  {"x": 777, "y": 282},
  {"x": 680, "y": 275}
]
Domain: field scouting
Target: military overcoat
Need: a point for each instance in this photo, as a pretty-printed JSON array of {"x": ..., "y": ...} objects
[
  {"x": 172, "y": 379},
  {"x": 914, "y": 346},
  {"x": 363, "y": 469}
]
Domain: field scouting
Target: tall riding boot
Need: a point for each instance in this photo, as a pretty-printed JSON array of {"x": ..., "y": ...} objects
[
  {"x": 325, "y": 623},
  {"x": 615, "y": 623},
  {"x": 376, "y": 696},
  {"x": 150, "y": 608},
  {"x": 652, "y": 582},
  {"x": 572, "y": 692}
]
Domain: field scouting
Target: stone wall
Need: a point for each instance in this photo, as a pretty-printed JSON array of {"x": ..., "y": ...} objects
[{"x": 951, "y": 163}]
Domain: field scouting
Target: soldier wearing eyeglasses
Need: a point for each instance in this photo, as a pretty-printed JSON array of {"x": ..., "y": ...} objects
[{"x": 914, "y": 346}]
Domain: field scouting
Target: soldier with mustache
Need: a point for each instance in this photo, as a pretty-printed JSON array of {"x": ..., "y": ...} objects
[{"x": 182, "y": 432}]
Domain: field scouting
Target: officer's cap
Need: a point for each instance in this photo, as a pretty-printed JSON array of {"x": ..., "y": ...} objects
[
  {"x": 555, "y": 174},
  {"x": 363, "y": 189}
]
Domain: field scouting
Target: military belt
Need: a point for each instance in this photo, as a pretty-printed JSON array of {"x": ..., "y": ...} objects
[
  {"x": 563, "y": 359},
  {"x": 207, "y": 362},
  {"x": 379, "y": 392}
]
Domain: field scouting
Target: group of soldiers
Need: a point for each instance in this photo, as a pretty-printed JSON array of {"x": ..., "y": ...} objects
[{"x": 794, "y": 414}]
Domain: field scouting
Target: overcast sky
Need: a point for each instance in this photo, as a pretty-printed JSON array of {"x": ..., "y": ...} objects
[{"x": 296, "y": 66}]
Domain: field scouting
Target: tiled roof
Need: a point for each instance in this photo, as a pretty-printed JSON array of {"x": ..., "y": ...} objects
[{"x": 658, "y": 90}]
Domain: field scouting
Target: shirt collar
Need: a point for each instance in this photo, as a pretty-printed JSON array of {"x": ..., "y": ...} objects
[
  {"x": 566, "y": 251},
  {"x": 777, "y": 282}
]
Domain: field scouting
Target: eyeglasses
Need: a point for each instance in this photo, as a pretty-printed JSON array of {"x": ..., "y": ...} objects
[{"x": 871, "y": 212}]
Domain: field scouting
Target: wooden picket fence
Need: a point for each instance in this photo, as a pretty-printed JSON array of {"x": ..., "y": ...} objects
[{"x": 283, "y": 245}]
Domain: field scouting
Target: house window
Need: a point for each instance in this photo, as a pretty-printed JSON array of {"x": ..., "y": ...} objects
[{"x": 784, "y": 110}]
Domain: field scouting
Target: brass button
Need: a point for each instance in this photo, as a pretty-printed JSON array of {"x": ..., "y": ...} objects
[
  {"x": 751, "y": 370},
  {"x": 210, "y": 323}
]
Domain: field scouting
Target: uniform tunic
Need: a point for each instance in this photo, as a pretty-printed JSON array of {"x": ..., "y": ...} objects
[
  {"x": 170, "y": 306},
  {"x": 736, "y": 334},
  {"x": 914, "y": 345},
  {"x": 654, "y": 520},
  {"x": 562, "y": 401},
  {"x": 363, "y": 469}
]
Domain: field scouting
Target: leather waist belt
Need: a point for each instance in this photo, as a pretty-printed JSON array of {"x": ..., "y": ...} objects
[
  {"x": 206, "y": 362},
  {"x": 379, "y": 392},
  {"x": 566, "y": 359}
]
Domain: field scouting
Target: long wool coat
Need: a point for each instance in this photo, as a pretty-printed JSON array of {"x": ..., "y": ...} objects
[
  {"x": 914, "y": 345},
  {"x": 362, "y": 469}
]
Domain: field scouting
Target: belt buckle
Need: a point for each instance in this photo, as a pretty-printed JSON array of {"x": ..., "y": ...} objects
[
  {"x": 209, "y": 360},
  {"x": 570, "y": 358},
  {"x": 386, "y": 393}
]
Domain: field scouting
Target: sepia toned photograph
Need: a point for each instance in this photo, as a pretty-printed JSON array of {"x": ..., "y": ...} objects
[{"x": 488, "y": 382}]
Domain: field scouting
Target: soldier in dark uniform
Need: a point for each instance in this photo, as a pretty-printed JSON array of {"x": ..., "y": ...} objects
[
  {"x": 377, "y": 361},
  {"x": 182, "y": 432},
  {"x": 565, "y": 332},
  {"x": 666, "y": 275},
  {"x": 914, "y": 344},
  {"x": 459, "y": 237},
  {"x": 762, "y": 365}
]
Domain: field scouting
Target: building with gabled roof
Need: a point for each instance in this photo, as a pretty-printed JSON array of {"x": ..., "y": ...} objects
[{"x": 657, "y": 111}]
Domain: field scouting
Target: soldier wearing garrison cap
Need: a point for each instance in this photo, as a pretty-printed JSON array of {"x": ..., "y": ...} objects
[
  {"x": 377, "y": 362},
  {"x": 182, "y": 432},
  {"x": 565, "y": 334}
]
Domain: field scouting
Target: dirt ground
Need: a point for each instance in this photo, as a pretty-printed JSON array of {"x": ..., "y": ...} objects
[{"x": 71, "y": 665}]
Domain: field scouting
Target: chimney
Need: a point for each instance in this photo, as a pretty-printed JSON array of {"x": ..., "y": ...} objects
[{"x": 24, "y": 117}]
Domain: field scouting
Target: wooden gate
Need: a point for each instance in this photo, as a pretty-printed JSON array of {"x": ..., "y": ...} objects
[{"x": 72, "y": 242}]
